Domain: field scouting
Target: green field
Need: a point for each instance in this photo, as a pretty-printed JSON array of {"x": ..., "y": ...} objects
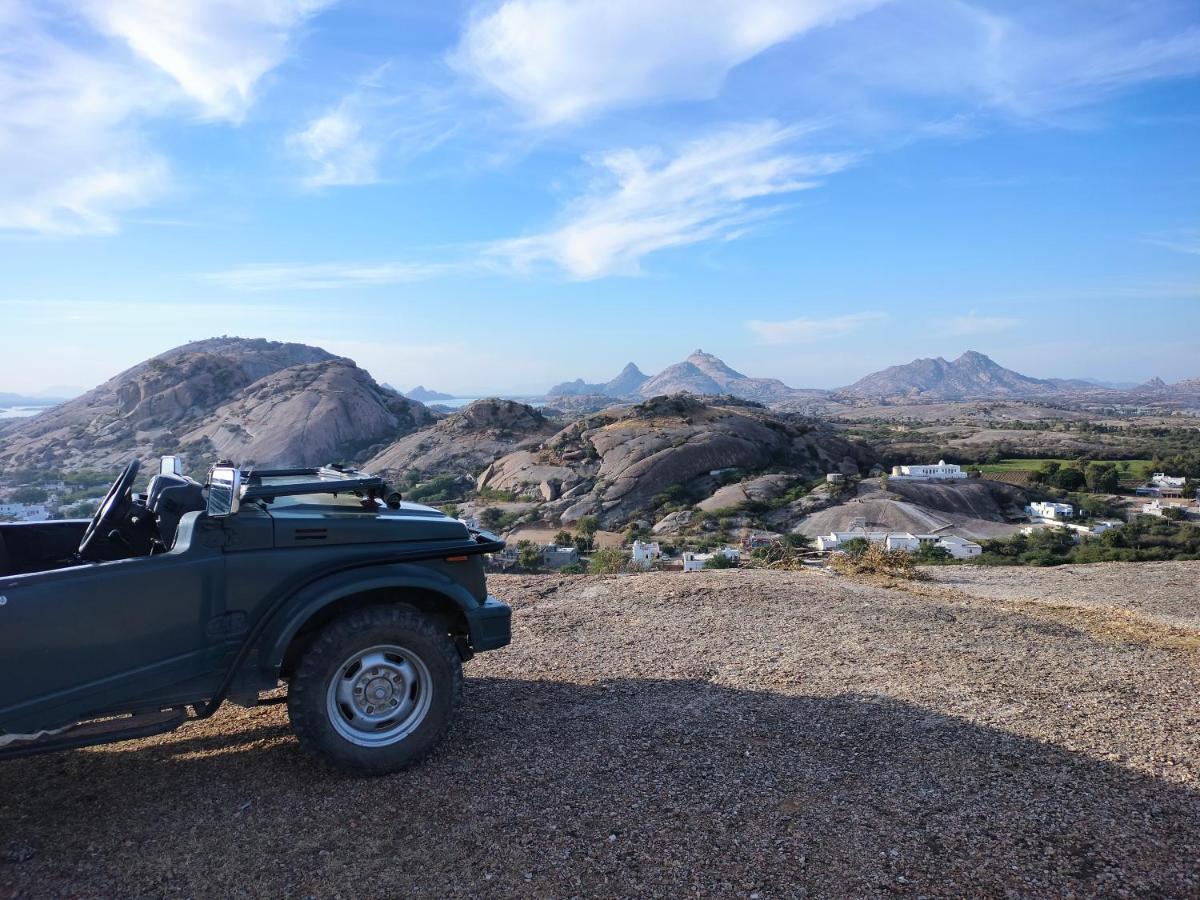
[{"x": 1137, "y": 468}]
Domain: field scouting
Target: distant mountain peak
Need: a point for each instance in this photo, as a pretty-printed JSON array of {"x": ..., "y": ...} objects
[{"x": 973, "y": 375}]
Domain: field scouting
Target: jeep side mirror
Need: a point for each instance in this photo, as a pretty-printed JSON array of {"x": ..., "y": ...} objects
[
  {"x": 170, "y": 465},
  {"x": 224, "y": 490}
]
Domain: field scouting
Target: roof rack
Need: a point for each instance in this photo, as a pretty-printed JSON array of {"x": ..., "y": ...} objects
[{"x": 332, "y": 479}]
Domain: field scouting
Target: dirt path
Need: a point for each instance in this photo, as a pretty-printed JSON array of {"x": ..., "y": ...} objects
[{"x": 720, "y": 733}]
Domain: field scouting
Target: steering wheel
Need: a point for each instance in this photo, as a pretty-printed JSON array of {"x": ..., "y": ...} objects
[{"x": 106, "y": 516}]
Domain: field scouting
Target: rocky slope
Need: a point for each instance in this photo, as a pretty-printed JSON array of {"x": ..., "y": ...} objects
[
  {"x": 972, "y": 376},
  {"x": 466, "y": 441},
  {"x": 615, "y": 463},
  {"x": 307, "y": 415},
  {"x": 975, "y": 509},
  {"x": 423, "y": 394},
  {"x": 627, "y": 384},
  {"x": 232, "y": 396}
]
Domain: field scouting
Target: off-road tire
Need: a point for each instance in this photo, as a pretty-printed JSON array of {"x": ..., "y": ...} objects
[{"x": 396, "y": 624}]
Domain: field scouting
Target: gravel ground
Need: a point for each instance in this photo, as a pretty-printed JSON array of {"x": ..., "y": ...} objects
[{"x": 739, "y": 733}]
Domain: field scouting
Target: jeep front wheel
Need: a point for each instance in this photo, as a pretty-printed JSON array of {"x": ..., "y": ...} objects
[{"x": 376, "y": 690}]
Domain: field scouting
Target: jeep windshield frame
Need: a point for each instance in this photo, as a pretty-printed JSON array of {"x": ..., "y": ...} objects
[{"x": 269, "y": 484}]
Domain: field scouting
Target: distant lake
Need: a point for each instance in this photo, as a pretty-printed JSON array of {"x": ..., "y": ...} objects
[{"x": 20, "y": 412}]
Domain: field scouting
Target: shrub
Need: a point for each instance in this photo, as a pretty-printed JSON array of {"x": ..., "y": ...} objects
[
  {"x": 608, "y": 561},
  {"x": 720, "y": 561},
  {"x": 875, "y": 560}
]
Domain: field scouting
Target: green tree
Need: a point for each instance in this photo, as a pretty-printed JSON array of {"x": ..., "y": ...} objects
[
  {"x": 608, "y": 561},
  {"x": 29, "y": 494},
  {"x": 587, "y": 527},
  {"x": 720, "y": 561},
  {"x": 563, "y": 538},
  {"x": 529, "y": 556}
]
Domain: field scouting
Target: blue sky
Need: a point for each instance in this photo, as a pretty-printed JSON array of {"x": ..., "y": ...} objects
[{"x": 494, "y": 197}]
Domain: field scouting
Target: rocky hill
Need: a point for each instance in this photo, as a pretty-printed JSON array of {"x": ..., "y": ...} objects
[
  {"x": 617, "y": 463},
  {"x": 628, "y": 383},
  {"x": 466, "y": 441},
  {"x": 220, "y": 394},
  {"x": 971, "y": 376},
  {"x": 306, "y": 415}
]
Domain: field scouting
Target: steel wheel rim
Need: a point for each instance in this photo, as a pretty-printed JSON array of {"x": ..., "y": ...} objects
[{"x": 379, "y": 695}]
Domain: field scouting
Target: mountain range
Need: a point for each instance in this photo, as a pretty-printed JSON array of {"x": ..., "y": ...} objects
[
  {"x": 701, "y": 373},
  {"x": 972, "y": 376}
]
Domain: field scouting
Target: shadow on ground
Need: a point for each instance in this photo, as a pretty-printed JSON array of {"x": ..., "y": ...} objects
[{"x": 628, "y": 787}]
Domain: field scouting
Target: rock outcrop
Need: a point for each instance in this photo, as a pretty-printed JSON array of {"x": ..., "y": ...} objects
[
  {"x": 466, "y": 441},
  {"x": 616, "y": 463},
  {"x": 305, "y": 415},
  {"x": 143, "y": 410},
  {"x": 251, "y": 400}
]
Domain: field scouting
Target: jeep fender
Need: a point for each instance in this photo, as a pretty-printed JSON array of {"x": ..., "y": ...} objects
[{"x": 329, "y": 589}]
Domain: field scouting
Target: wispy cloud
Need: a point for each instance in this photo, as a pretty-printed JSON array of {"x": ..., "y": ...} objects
[
  {"x": 799, "y": 331},
  {"x": 562, "y": 60},
  {"x": 337, "y": 150},
  {"x": 73, "y": 150},
  {"x": 644, "y": 201},
  {"x": 266, "y": 277},
  {"x": 215, "y": 50},
  {"x": 1181, "y": 240},
  {"x": 975, "y": 324}
]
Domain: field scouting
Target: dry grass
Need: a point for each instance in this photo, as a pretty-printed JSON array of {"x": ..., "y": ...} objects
[{"x": 875, "y": 560}]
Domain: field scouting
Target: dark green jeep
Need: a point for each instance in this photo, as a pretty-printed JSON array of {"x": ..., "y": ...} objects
[{"x": 166, "y": 604}]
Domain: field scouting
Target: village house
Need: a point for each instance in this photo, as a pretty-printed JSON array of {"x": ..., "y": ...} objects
[
  {"x": 1049, "y": 510},
  {"x": 957, "y": 547},
  {"x": 645, "y": 554},
  {"x": 1162, "y": 485},
  {"x": 555, "y": 557},
  {"x": 693, "y": 562},
  {"x": 25, "y": 512},
  {"x": 943, "y": 471}
]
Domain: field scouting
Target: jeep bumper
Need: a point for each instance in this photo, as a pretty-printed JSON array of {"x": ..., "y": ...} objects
[{"x": 490, "y": 625}]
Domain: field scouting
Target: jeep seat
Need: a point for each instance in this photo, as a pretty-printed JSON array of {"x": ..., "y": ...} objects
[{"x": 169, "y": 497}]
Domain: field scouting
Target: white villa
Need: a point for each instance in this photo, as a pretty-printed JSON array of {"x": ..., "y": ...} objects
[
  {"x": 1049, "y": 510},
  {"x": 644, "y": 555},
  {"x": 957, "y": 547},
  {"x": 943, "y": 471},
  {"x": 1162, "y": 480},
  {"x": 694, "y": 562},
  {"x": 25, "y": 512}
]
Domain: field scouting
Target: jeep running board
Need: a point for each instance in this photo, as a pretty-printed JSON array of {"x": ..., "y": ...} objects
[{"x": 103, "y": 731}]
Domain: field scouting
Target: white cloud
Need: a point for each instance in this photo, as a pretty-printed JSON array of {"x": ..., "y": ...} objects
[
  {"x": 215, "y": 50},
  {"x": 976, "y": 324},
  {"x": 797, "y": 331},
  {"x": 560, "y": 60},
  {"x": 264, "y": 277},
  {"x": 338, "y": 151},
  {"x": 73, "y": 153},
  {"x": 1034, "y": 61},
  {"x": 1181, "y": 240},
  {"x": 646, "y": 202}
]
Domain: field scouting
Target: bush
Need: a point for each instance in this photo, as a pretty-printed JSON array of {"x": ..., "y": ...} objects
[
  {"x": 875, "y": 560},
  {"x": 608, "y": 561},
  {"x": 720, "y": 561}
]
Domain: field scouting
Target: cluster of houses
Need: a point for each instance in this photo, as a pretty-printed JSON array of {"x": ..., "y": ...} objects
[
  {"x": 957, "y": 547},
  {"x": 24, "y": 512}
]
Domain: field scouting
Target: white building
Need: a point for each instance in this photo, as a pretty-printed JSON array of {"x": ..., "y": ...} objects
[
  {"x": 25, "y": 512},
  {"x": 644, "y": 554},
  {"x": 958, "y": 547},
  {"x": 694, "y": 562},
  {"x": 942, "y": 471},
  {"x": 1049, "y": 510},
  {"x": 1162, "y": 480}
]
